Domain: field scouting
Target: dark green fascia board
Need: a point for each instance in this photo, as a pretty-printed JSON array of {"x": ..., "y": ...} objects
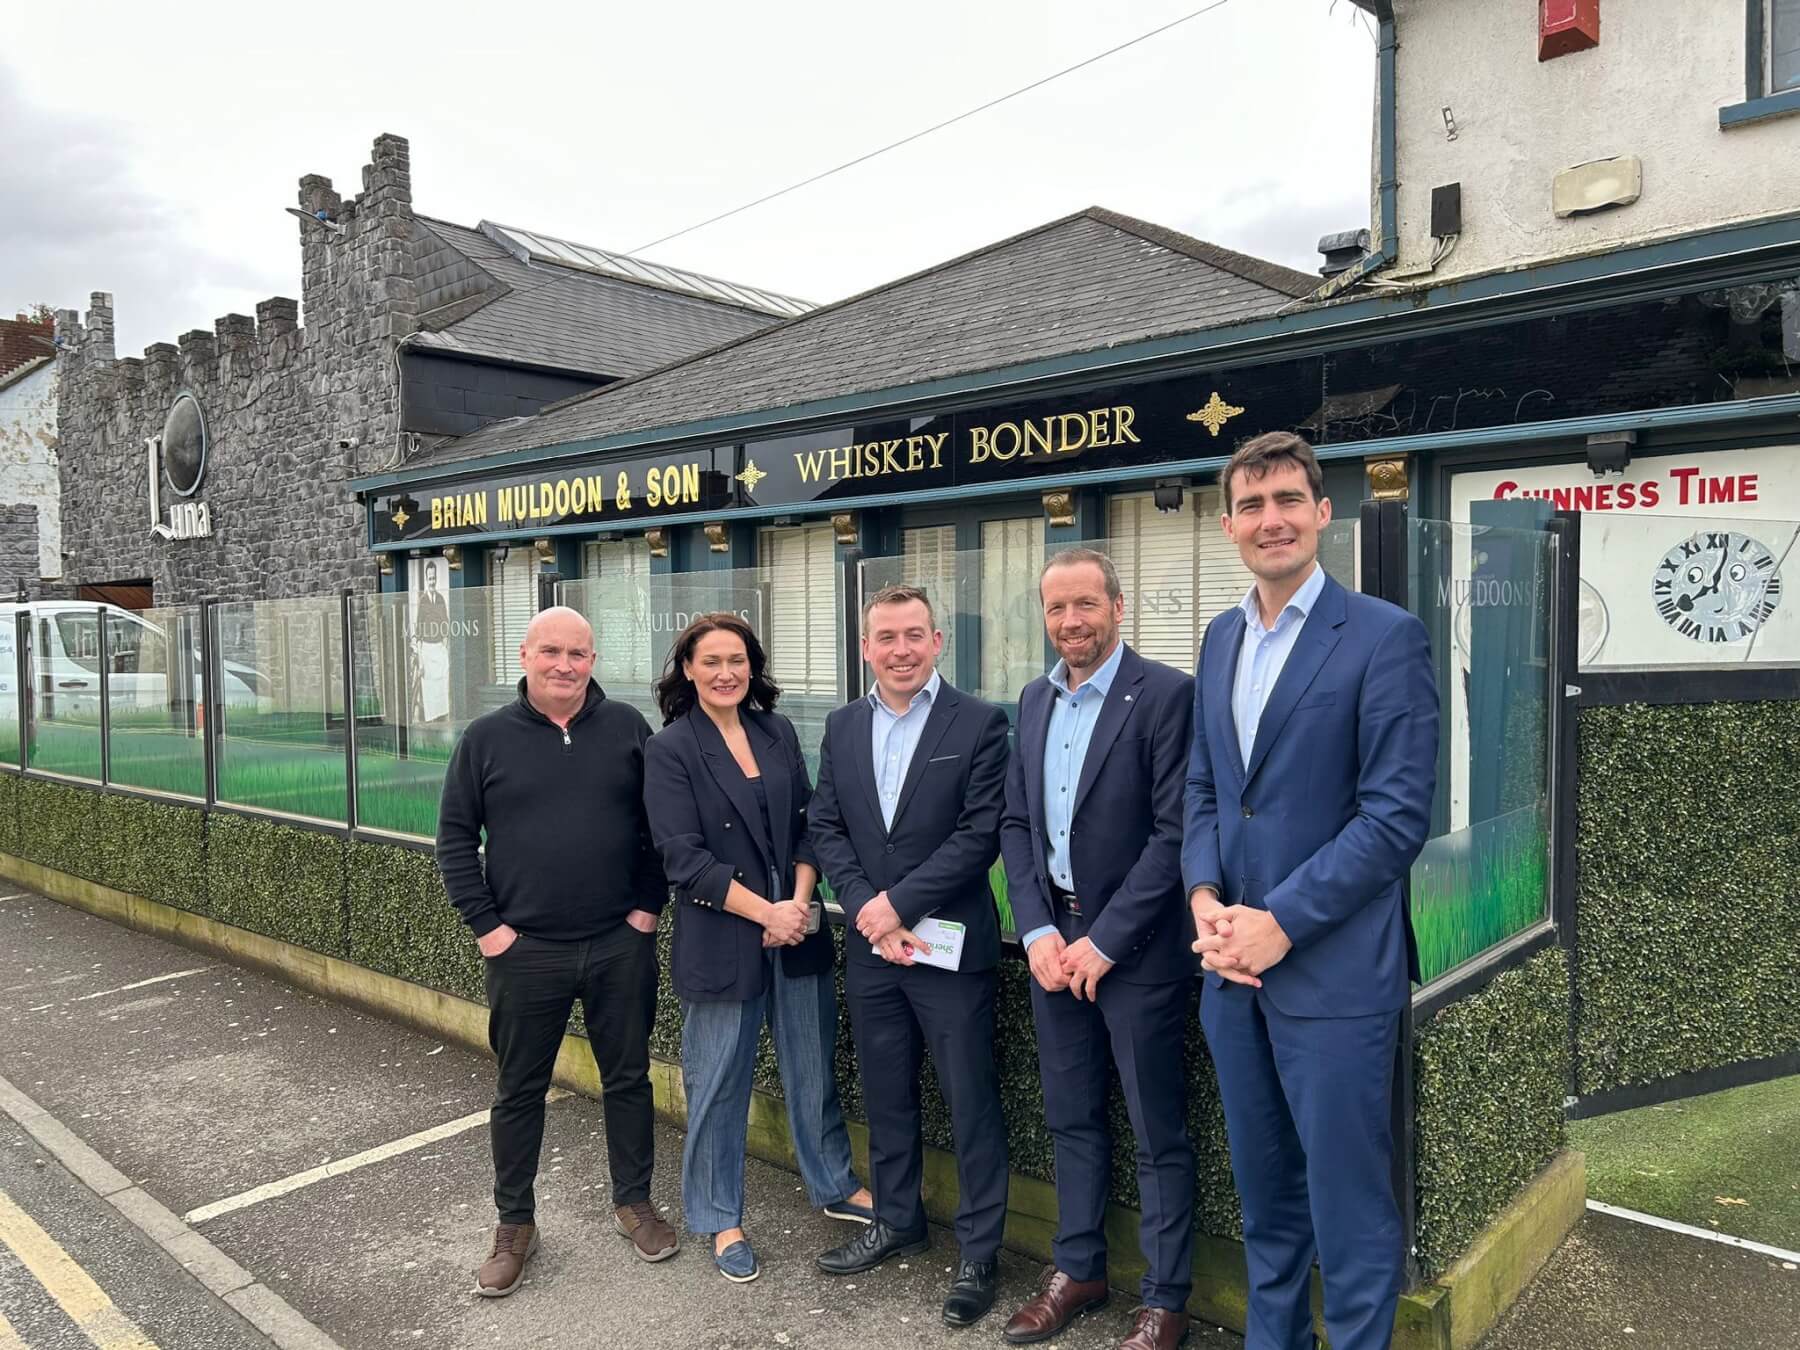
[
  {"x": 1763, "y": 250},
  {"x": 1568, "y": 428},
  {"x": 1759, "y": 109}
]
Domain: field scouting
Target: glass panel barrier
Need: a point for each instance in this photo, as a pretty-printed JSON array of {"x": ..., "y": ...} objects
[
  {"x": 792, "y": 608},
  {"x": 1484, "y": 594},
  {"x": 10, "y": 746},
  {"x": 63, "y": 685},
  {"x": 1671, "y": 592},
  {"x": 426, "y": 665},
  {"x": 282, "y": 747},
  {"x": 155, "y": 733}
]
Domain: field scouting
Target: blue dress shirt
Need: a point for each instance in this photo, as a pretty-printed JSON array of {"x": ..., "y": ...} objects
[
  {"x": 893, "y": 737},
  {"x": 1265, "y": 653},
  {"x": 1072, "y": 720}
]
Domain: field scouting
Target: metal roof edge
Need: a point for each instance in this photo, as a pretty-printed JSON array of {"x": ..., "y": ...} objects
[{"x": 1650, "y": 268}]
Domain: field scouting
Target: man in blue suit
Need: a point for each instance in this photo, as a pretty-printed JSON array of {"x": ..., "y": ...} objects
[
  {"x": 906, "y": 823},
  {"x": 1092, "y": 841},
  {"x": 1309, "y": 793}
]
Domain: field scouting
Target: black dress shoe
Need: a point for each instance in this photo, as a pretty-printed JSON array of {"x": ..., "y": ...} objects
[
  {"x": 870, "y": 1248},
  {"x": 971, "y": 1293}
]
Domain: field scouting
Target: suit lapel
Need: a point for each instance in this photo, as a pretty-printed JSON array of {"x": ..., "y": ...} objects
[
  {"x": 1221, "y": 693},
  {"x": 725, "y": 772},
  {"x": 1034, "y": 716},
  {"x": 1317, "y": 639},
  {"x": 862, "y": 753},
  {"x": 771, "y": 758},
  {"x": 1121, "y": 698},
  {"x": 937, "y": 722}
]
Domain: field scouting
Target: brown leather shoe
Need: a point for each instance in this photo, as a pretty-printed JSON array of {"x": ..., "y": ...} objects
[
  {"x": 652, "y": 1238},
  {"x": 1058, "y": 1302},
  {"x": 500, "y": 1274},
  {"x": 1156, "y": 1329}
]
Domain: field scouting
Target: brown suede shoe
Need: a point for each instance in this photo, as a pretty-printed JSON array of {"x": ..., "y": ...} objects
[
  {"x": 1058, "y": 1302},
  {"x": 652, "y": 1238},
  {"x": 500, "y": 1274},
  {"x": 1156, "y": 1329}
]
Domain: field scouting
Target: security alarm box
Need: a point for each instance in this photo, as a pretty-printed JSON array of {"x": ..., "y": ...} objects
[{"x": 1566, "y": 26}]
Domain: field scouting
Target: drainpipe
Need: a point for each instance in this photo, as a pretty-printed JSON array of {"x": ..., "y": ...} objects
[{"x": 1387, "y": 251}]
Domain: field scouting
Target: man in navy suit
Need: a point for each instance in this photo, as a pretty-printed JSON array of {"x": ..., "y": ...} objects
[
  {"x": 906, "y": 822},
  {"x": 1092, "y": 841},
  {"x": 1308, "y": 796}
]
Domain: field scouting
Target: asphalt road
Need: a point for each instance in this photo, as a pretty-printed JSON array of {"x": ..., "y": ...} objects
[{"x": 305, "y": 1175}]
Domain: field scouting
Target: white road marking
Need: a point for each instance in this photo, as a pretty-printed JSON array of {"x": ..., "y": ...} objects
[
  {"x": 1670, "y": 1226},
  {"x": 312, "y": 1175},
  {"x": 17, "y": 895},
  {"x": 154, "y": 979}
]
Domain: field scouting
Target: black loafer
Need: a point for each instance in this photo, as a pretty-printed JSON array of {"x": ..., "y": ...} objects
[
  {"x": 971, "y": 1293},
  {"x": 870, "y": 1248}
]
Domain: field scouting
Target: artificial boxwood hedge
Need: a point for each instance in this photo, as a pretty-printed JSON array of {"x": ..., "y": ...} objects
[
  {"x": 279, "y": 880},
  {"x": 1490, "y": 1069},
  {"x": 1688, "y": 911},
  {"x": 1490, "y": 1073}
]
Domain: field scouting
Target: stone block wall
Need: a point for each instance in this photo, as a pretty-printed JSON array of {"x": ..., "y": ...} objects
[{"x": 292, "y": 410}]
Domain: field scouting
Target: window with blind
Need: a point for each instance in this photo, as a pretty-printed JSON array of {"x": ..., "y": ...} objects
[
  {"x": 1177, "y": 569},
  {"x": 1784, "y": 45},
  {"x": 1012, "y": 624},
  {"x": 797, "y": 567},
  {"x": 928, "y": 560},
  {"x": 616, "y": 587},
  {"x": 512, "y": 600}
]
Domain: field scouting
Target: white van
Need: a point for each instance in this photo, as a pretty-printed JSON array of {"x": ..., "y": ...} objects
[{"x": 65, "y": 636}]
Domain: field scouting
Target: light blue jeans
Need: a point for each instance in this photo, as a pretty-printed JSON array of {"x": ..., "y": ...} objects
[{"x": 718, "y": 1056}]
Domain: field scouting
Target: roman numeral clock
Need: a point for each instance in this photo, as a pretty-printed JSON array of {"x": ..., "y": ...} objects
[{"x": 1717, "y": 586}]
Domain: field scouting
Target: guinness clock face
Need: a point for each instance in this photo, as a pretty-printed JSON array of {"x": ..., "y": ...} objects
[
  {"x": 1716, "y": 586},
  {"x": 184, "y": 446}
]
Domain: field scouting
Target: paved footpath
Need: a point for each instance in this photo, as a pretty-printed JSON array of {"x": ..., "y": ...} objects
[{"x": 194, "y": 1155}]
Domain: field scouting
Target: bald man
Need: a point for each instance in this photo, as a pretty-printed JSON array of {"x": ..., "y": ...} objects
[{"x": 565, "y": 909}]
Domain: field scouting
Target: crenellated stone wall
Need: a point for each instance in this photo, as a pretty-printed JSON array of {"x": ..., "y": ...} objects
[{"x": 292, "y": 411}]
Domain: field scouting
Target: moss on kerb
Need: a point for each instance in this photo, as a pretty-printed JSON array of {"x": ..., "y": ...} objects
[
  {"x": 1690, "y": 832},
  {"x": 1490, "y": 1076}
]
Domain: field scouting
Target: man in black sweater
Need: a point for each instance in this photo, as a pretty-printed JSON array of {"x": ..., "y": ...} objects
[{"x": 565, "y": 908}]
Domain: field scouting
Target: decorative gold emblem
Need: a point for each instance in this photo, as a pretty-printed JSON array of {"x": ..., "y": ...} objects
[
  {"x": 843, "y": 528},
  {"x": 1059, "y": 507},
  {"x": 718, "y": 537},
  {"x": 751, "y": 476},
  {"x": 658, "y": 539},
  {"x": 400, "y": 517},
  {"x": 1388, "y": 479},
  {"x": 1215, "y": 414}
]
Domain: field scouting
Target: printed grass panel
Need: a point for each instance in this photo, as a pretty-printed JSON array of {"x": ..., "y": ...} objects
[{"x": 1476, "y": 887}]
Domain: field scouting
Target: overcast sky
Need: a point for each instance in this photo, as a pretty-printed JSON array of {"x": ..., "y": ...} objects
[{"x": 149, "y": 151}]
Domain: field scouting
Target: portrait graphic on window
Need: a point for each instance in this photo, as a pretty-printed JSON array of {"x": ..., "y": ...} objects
[{"x": 428, "y": 614}]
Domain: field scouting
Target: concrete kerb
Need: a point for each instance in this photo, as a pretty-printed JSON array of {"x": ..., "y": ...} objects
[{"x": 1450, "y": 1314}]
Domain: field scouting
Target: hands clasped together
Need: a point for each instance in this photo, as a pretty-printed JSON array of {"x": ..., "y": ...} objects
[
  {"x": 784, "y": 924},
  {"x": 1236, "y": 942},
  {"x": 892, "y": 940}
]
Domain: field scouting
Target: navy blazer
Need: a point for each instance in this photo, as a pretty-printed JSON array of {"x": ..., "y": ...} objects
[
  {"x": 1125, "y": 846},
  {"x": 705, "y": 821},
  {"x": 1323, "y": 824},
  {"x": 946, "y": 832}
]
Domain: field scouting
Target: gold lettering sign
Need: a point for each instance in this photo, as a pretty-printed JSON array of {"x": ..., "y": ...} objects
[
  {"x": 521, "y": 505},
  {"x": 1056, "y": 434},
  {"x": 866, "y": 459}
]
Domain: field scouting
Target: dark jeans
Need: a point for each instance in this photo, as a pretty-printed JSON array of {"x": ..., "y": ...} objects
[{"x": 530, "y": 986}]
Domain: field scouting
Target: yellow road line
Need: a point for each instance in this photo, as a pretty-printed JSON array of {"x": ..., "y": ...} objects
[
  {"x": 10, "y": 1339},
  {"x": 72, "y": 1287}
]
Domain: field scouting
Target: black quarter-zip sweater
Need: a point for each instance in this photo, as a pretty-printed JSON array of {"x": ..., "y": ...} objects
[{"x": 568, "y": 844}]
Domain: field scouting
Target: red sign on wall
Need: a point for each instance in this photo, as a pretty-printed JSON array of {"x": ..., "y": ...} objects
[{"x": 1566, "y": 26}]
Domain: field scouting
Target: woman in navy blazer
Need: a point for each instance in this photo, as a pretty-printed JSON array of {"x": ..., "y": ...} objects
[{"x": 726, "y": 792}]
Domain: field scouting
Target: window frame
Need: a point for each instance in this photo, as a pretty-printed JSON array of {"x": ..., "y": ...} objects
[{"x": 1760, "y": 102}]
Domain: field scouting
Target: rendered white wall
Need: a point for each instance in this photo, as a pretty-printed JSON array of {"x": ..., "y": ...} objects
[{"x": 28, "y": 458}]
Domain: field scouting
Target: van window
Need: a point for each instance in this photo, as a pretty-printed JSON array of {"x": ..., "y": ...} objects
[
  {"x": 80, "y": 634},
  {"x": 135, "y": 648}
]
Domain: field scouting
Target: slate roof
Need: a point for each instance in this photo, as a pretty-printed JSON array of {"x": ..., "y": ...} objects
[
  {"x": 477, "y": 299},
  {"x": 1088, "y": 281}
]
